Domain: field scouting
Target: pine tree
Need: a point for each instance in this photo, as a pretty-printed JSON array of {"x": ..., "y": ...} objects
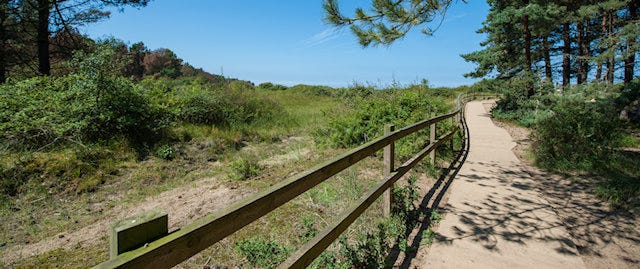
[
  {"x": 388, "y": 20},
  {"x": 56, "y": 15}
]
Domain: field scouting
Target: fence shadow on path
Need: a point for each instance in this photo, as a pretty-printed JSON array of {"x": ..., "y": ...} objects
[{"x": 430, "y": 202}]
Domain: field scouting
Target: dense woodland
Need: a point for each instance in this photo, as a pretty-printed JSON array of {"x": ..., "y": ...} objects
[{"x": 560, "y": 41}]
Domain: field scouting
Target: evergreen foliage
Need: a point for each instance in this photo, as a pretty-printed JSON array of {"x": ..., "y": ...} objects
[{"x": 388, "y": 20}]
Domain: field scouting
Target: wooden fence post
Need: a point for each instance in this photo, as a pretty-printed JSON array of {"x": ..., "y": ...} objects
[
  {"x": 133, "y": 232},
  {"x": 453, "y": 124},
  {"x": 432, "y": 139},
  {"x": 389, "y": 156}
]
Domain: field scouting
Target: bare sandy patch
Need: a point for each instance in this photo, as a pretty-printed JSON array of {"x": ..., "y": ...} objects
[{"x": 183, "y": 204}]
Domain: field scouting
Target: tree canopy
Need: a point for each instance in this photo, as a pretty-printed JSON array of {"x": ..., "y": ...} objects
[
  {"x": 580, "y": 40},
  {"x": 388, "y": 20},
  {"x": 46, "y": 29}
]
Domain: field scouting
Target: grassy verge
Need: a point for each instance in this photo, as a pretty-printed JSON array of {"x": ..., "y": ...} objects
[{"x": 71, "y": 186}]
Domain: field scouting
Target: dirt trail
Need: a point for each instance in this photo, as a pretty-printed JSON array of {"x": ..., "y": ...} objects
[
  {"x": 494, "y": 217},
  {"x": 605, "y": 237},
  {"x": 503, "y": 212}
]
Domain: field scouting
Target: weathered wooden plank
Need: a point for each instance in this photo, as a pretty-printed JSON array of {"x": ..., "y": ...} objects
[
  {"x": 310, "y": 251},
  {"x": 432, "y": 139},
  {"x": 193, "y": 238},
  {"x": 135, "y": 231},
  {"x": 389, "y": 166}
]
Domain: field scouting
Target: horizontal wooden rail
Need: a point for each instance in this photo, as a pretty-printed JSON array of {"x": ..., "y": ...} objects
[
  {"x": 310, "y": 251},
  {"x": 187, "y": 241}
]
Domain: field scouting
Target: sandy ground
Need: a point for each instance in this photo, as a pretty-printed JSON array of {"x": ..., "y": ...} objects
[
  {"x": 494, "y": 218},
  {"x": 552, "y": 221},
  {"x": 183, "y": 204},
  {"x": 604, "y": 237}
]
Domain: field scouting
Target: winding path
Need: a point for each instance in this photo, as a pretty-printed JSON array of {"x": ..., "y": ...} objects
[{"x": 494, "y": 218}]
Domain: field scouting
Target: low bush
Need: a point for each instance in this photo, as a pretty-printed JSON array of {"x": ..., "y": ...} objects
[
  {"x": 41, "y": 111},
  {"x": 194, "y": 102},
  {"x": 244, "y": 168},
  {"x": 272, "y": 87},
  {"x": 262, "y": 252},
  {"x": 398, "y": 107},
  {"x": 579, "y": 134}
]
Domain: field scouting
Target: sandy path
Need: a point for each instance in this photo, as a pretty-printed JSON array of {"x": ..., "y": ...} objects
[
  {"x": 494, "y": 216},
  {"x": 183, "y": 204}
]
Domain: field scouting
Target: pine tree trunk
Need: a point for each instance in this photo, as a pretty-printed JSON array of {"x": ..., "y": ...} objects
[
  {"x": 547, "y": 59},
  {"x": 611, "y": 64},
  {"x": 580, "y": 38},
  {"x": 44, "y": 64},
  {"x": 3, "y": 38},
  {"x": 629, "y": 62},
  {"x": 600, "y": 62},
  {"x": 527, "y": 52},
  {"x": 586, "y": 52},
  {"x": 566, "y": 55}
]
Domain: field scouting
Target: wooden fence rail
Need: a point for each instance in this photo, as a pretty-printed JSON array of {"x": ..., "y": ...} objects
[{"x": 173, "y": 248}]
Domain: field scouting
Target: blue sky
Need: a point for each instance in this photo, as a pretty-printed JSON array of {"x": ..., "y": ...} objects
[{"x": 287, "y": 42}]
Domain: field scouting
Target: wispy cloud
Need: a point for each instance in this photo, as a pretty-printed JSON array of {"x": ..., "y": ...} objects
[
  {"x": 456, "y": 17},
  {"x": 322, "y": 37}
]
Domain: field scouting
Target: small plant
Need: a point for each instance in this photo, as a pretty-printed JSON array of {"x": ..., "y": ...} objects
[
  {"x": 404, "y": 197},
  {"x": 374, "y": 246},
  {"x": 244, "y": 168},
  {"x": 435, "y": 217},
  {"x": 427, "y": 237},
  {"x": 262, "y": 252},
  {"x": 309, "y": 230},
  {"x": 166, "y": 152}
]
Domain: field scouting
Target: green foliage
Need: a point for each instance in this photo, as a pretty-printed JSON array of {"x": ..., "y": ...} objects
[
  {"x": 262, "y": 252},
  {"x": 404, "y": 198},
  {"x": 428, "y": 236},
  {"x": 399, "y": 107},
  {"x": 622, "y": 192},
  {"x": 74, "y": 170},
  {"x": 515, "y": 105},
  {"x": 386, "y": 21},
  {"x": 166, "y": 152},
  {"x": 195, "y": 101},
  {"x": 89, "y": 106},
  {"x": 435, "y": 217},
  {"x": 309, "y": 231},
  {"x": 272, "y": 87},
  {"x": 579, "y": 135},
  {"x": 372, "y": 248},
  {"x": 313, "y": 90},
  {"x": 244, "y": 168}
]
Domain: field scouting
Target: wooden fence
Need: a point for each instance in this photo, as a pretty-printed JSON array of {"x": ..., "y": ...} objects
[{"x": 172, "y": 248}]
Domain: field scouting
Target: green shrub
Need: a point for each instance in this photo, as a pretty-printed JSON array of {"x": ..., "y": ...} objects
[
  {"x": 262, "y": 252},
  {"x": 192, "y": 101},
  {"x": 398, "y": 107},
  {"x": 404, "y": 198},
  {"x": 166, "y": 152},
  {"x": 579, "y": 135},
  {"x": 373, "y": 247},
  {"x": 272, "y": 87},
  {"x": 244, "y": 168},
  {"x": 314, "y": 90},
  {"x": 202, "y": 107},
  {"x": 91, "y": 105}
]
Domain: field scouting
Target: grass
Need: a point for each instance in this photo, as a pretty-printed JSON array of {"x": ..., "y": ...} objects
[{"x": 263, "y": 153}]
